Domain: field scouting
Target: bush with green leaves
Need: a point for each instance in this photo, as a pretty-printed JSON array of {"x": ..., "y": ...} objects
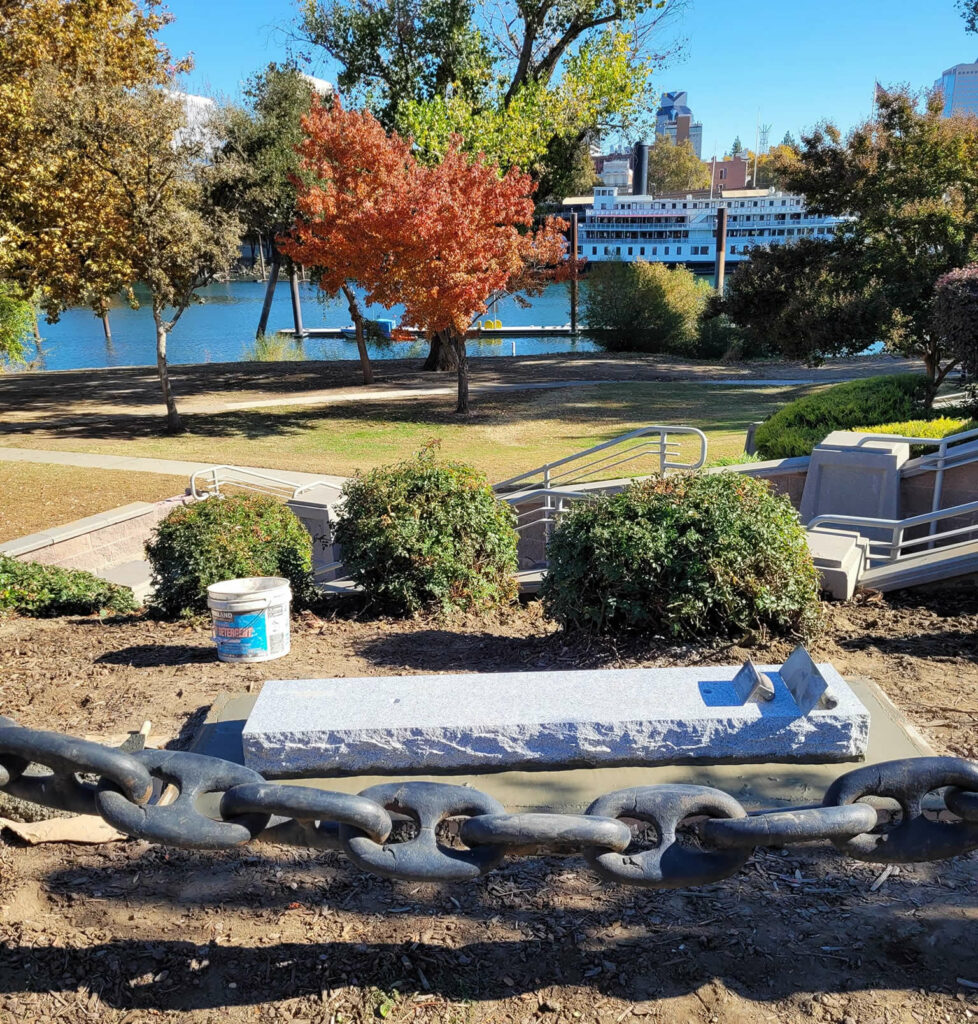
[
  {"x": 943, "y": 426},
  {"x": 644, "y": 307},
  {"x": 426, "y": 534},
  {"x": 29, "y": 588},
  {"x": 686, "y": 556},
  {"x": 797, "y": 427},
  {"x": 226, "y": 538}
]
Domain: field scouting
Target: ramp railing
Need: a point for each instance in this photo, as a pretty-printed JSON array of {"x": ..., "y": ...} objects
[
  {"x": 894, "y": 546},
  {"x": 207, "y": 482},
  {"x": 655, "y": 447}
]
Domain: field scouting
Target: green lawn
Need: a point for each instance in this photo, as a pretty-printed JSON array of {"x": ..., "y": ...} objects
[{"x": 505, "y": 434}]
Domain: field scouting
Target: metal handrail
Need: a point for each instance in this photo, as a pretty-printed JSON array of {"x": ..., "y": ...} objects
[
  {"x": 937, "y": 462},
  {"x": 895, "y": 547},
  {"x": 664, "y": 449},
  {"x": 261, "y": 482}
]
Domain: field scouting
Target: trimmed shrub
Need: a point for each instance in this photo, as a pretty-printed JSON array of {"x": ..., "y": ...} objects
[
  {"x": 644, "y": 307},
  {"x": 44, "y": 590},
  {"x": 688, "y": 556},
  {"x": 425, "y": 534},
  {"x": 944, "y": 426},
  {"x": 799, "y": 426},
  {"x": 226, "y": 538}
]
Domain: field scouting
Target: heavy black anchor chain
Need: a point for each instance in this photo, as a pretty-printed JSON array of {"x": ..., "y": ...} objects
[{"x": 699, "y": 834}]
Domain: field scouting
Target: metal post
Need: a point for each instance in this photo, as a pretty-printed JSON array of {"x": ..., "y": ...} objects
[
  {"x": 938, "y": 488},
  {"x": 574, "y": 258},
  {"x": 721, "y": 262},
  {"x": 296, "y": 302}
]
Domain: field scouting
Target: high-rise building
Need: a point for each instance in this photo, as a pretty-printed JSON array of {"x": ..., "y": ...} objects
[
  {"x": 675, "y": 120},
  {"x": 960, "y": 88}
]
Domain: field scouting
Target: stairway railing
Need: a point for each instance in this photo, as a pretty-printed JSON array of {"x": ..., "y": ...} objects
[
  {"x": 657, "y": 443},
  {"x": 894, "y": 546},
  {"x": 206, "y": 482}
]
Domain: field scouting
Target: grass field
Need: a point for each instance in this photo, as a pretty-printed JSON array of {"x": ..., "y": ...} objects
[
  {"x": 37, "y": 497},
  {"x": 506, "y": 433}
]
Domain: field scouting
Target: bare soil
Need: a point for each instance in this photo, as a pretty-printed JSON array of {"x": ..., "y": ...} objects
[{"x": 128, "y": 932}]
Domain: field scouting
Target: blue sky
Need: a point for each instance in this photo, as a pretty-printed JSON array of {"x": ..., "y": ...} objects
[{"x": 788, "y": 62}]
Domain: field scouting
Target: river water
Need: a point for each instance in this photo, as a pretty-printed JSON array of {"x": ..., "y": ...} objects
[{"x": 222, "y": 329}]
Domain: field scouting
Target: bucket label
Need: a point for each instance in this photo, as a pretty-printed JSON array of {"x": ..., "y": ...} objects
[{"x": 240, "y": 634}]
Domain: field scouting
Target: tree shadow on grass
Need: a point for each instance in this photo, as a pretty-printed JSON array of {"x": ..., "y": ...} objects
[{"x": 601, "y": 412}]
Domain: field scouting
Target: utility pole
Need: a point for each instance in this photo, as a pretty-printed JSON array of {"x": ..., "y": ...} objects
[
  {"x": 721, "y": 263},
  {"x": 574, "y": 257}
]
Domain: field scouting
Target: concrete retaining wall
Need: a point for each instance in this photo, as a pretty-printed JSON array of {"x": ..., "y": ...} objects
[{"x": 97, "y": 542}]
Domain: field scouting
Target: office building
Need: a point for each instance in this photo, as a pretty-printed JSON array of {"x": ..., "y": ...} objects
[
  {"x": 675, "y": 120},
  {"x": 960, "y": 88}
]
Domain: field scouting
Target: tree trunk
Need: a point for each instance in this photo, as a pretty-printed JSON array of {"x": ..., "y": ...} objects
[
  {"x": 931, "y": 366},
  {"x": 351, "y": 300},
  {"x": 106, "y": 327},
  {"x": 458, "y": 343},
  {"x": 261, "y": 256},
  {"x": 173, "y": 424},
  {"x": 269, "y": 295},
  {"x": 441, "y": 355}
]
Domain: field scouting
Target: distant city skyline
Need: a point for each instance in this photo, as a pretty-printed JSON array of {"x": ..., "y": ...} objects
[{"x": 786, "y": 65}]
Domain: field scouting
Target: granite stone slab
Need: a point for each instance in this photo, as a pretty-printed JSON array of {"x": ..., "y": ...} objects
[{"x": 514, "y": 720}]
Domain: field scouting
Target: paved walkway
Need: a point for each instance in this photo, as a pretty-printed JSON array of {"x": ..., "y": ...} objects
[
  {"x": 387, "y": 394},
  {"x": 166, "y": 467}
]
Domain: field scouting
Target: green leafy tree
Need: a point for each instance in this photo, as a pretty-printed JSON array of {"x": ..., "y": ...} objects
[
  {"x": 737, "y": 149},
  {"x": 906, "y": 184},
  {"x": 540, "y": 81},
  {"x": 804, "y": 300},
  {"x": 969, "y": 11},
  {"x": 18, "y": 320},
  {"x": 789, "y": 140},
  {"x": 392, "y": 51},
  {"x": 258, "y": 164},
  {"x": 157, "y": 182},
  {"x": 676, "y": 168}
]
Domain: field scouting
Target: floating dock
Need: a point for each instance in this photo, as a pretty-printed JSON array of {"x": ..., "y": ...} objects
[{"x": 527, "y": 331}]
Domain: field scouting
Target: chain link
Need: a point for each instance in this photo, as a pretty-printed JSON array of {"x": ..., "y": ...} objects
[{"x": 700, "y": 834}]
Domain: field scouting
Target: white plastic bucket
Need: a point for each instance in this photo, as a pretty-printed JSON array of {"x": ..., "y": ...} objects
[{"x": 250, "y": 618}]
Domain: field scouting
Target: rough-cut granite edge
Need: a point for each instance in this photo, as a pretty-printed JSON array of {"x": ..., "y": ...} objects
[{"x": 773, "y": 733}]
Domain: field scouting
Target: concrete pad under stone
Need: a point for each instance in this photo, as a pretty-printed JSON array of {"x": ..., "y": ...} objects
[
  {"x": 505, "y": 721},
  {"x": 891, "y": 736}
]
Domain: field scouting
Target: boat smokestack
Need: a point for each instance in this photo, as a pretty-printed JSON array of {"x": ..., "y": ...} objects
[{"x": 640, "y": 175}]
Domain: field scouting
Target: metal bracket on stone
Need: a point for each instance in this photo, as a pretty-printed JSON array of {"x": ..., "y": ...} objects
[
  {"x": 806, "y": 683},
  {"x": 752, "y": 685}
]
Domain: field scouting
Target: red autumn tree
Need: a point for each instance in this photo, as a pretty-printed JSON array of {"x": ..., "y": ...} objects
[
  {"x": 350, "y": 204},
  {"x": 441, "y": 240},
  {"x": 473, "y": 237}
]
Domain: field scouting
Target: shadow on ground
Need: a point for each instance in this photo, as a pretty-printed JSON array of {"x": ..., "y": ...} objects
[{"x": 767, "y": 933}]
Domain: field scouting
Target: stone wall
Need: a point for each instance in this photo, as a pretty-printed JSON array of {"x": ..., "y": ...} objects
[{"x": 97, "y": 542}]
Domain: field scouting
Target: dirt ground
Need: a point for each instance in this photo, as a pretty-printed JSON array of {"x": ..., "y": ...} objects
[{"x": 127, "y": 932}]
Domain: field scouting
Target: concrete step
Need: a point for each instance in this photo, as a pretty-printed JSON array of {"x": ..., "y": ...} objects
[
  {"x": 839, "y": 556},
  {"x": 927, "y": 567},
  {"x": 135, "y": 575}
]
